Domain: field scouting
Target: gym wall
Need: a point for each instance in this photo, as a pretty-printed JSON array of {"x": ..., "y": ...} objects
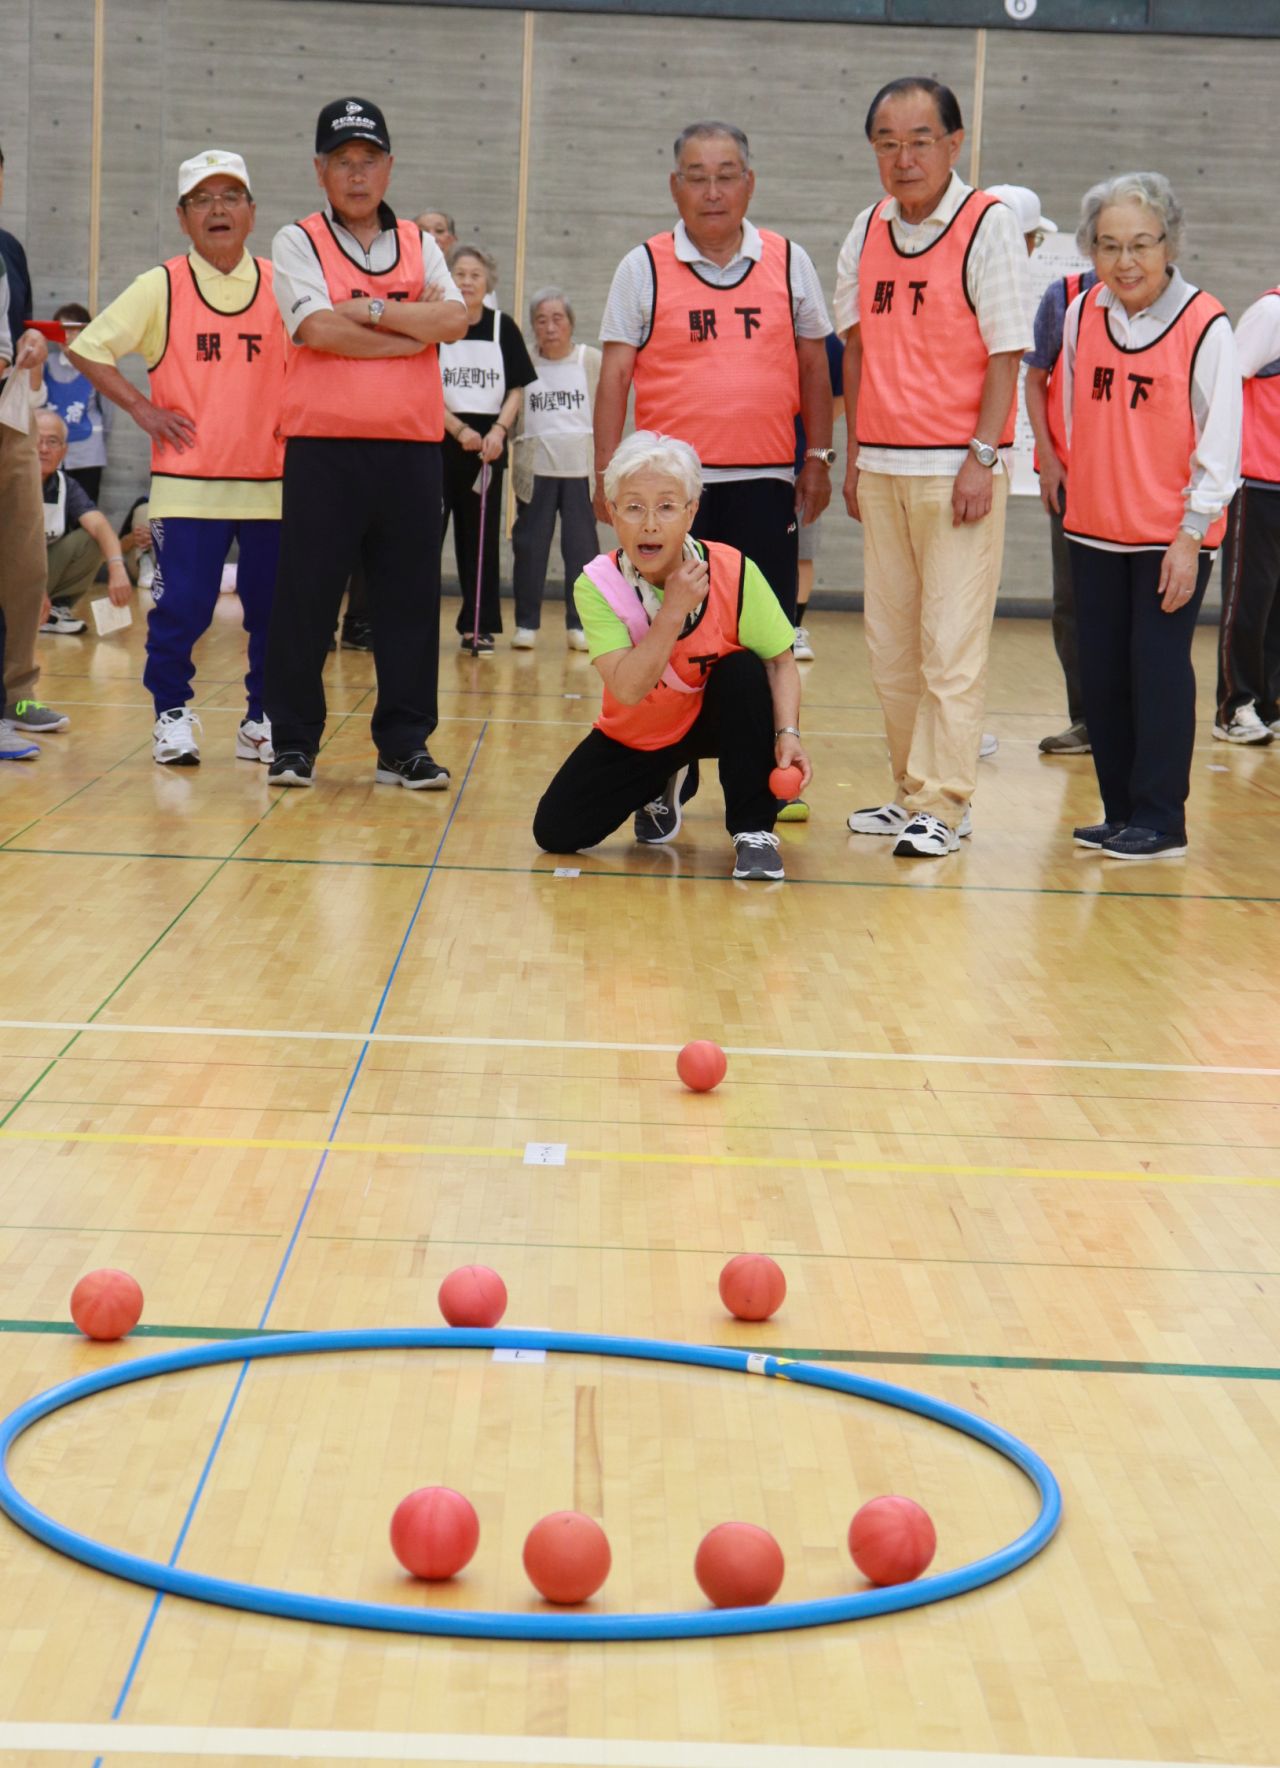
[{"x": 606, "y": 93}]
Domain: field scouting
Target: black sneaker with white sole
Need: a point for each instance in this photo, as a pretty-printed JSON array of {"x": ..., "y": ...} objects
[
  {"x": 1135, "y": 843},
  {"x": 417, "y": 771},
  {"x": 756, "y": 855},
  {"x": 1094, "y": 834},
  {"x": 659, "y": 821},
  {"x": 292, "y": 768}
]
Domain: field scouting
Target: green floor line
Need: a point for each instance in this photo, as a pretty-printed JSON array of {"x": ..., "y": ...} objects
[
  {"x": 62, "y": 802},
  {"x": 249, "y": 859},
  {"x": 793, "y": 1353}
]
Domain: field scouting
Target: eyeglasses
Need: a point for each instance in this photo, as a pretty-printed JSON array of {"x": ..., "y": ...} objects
[
  {"x": 1110, "y": 251},
  {"x": 663, "y": 513},
  {"x": 886, "y": 149},
  {"x": 700, "y": 180},
  {"x": 203, "y": 200}
]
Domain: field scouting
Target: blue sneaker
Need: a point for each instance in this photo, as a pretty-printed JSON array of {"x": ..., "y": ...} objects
[{"x": 14, "y": 746}]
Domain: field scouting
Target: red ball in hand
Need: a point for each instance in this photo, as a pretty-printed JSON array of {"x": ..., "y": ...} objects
[{"x": 785, "y": 782}]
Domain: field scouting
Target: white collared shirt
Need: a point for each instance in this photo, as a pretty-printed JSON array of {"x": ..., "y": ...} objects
[
  {"x": 997, "y": 281},
  {"x": 1217, "y": 399},
  {"x": 628, "y": 312}
]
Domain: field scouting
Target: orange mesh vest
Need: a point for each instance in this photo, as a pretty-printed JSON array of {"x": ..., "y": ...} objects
[
  {"x": 1260, "y": 455},
  {"x": 923, "y": 358},
  {"x": 222, "y": 369},
  {"x": 1132, "y": 429},
  {"x": 1053, "y": 390},
  {"x": 397, "y": 399},
  {"x": 719, "y": 368},
  {"x": 665, "y": 714}
]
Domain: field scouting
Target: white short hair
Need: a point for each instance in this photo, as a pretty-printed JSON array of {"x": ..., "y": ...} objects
[
  {"x": 51, "y": 415},
  {"x": 647, "y": 451},
  {"x": 1152, "y": 189}
]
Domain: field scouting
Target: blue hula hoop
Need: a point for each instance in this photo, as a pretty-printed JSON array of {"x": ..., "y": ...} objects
[{"x": 290, "y": 1605}]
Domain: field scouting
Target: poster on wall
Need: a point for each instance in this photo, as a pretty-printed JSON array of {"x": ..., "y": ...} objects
[{"x": 1057, "y": 257}]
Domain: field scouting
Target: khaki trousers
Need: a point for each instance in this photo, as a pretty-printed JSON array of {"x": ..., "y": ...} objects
[
  {"x": 22, "y": 561},
  {"x": 930, "y": 597},
  {"x": 73, "y": 563}
]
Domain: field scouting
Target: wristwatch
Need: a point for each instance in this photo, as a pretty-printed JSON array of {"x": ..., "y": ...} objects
[
  {"x": 983, "y": 453},
  {"x": 827, "y": 455},
  {"x": 376, "y": 309},
  {"x": 787, "y": 730}
]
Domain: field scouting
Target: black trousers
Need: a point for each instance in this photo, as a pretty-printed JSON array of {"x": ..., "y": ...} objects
[
  {"x": 376, "y": 504},
  {"x": 1139, "y": 685},
  {"x": 604, "y": 782},
  {"x": 462, "y": 508},
  {"x": 1249, "y": 630},
  {"x": 758, "y": 516},
  {"x": 1064, "y": 617}
]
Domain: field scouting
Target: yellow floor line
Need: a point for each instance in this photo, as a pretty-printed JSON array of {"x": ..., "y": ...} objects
[{"x": 647, "y": 1157}]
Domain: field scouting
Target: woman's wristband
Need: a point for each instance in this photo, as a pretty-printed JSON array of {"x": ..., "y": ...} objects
[
  {"x": 118, "y": 560},
  {"x": 788, "y": 730}
]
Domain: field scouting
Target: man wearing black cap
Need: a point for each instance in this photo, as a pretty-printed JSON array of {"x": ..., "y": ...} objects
[{"x": 365, "y": 299}]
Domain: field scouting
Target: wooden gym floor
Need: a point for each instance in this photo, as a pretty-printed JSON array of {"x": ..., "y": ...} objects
[{"x": 1009, "y": 1122}]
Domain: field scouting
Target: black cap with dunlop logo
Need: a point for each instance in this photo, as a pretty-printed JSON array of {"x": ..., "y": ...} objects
[{"x": 351, "y": 119}]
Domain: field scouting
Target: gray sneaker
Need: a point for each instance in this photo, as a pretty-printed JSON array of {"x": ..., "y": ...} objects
[
  {"x": 1072, "y": 741},
  {"x": 756, "y": 855},
  {"x": 34, "y": 715},
  {"x": 659, "y": 821},
  {"x": 13, "y": 747}
]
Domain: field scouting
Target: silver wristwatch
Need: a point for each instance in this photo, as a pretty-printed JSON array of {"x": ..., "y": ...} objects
[
  {"x": 827, "y": 455},
  {"x": 984, "y": 453},
  {"x": 376, "y": 309}
]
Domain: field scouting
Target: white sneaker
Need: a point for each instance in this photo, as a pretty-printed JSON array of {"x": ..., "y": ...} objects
[
  {"x": 253, "y": 741},
  {"x": 61, "y": 620},
  {"x": 802, "y": 649},
  {"x": 577, "y": 639},
  {"x": 1245, "y": 727},
  {"x": 892, "y": 819},
  {"x": 523, "y": 638},
  {"x": 988, "y": 745},
  {"x": 926, "y": 837},
  {"x": 174, "y": 738},
  {"x": 14, "y": 746},
  {"x": 146, "y": 571}
]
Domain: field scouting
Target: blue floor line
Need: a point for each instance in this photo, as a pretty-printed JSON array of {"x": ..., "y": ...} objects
[{"x": 136, "y": 1662}]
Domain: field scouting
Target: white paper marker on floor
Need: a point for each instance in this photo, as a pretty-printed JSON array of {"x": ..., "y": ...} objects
[
  {"x": 545, "y": 1153},
  {"x": 568, "y": 872}
]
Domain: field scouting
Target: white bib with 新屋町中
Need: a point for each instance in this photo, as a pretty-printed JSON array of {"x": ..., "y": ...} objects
[
  {"x": 472, "y": 375},
  {"x": 557, "y": 416}
]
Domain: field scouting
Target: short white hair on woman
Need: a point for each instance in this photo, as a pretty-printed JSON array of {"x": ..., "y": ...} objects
[
  {"x": 1152, "y": 189},
  {"x": 646, "y": 451}
]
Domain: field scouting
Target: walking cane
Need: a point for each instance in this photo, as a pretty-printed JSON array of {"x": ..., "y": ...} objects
[{"x": 485, "y": 474}]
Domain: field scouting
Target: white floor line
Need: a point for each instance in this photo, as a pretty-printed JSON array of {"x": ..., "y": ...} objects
[
  {"x": 177, "y": 1741},
  {"x": 922, "y": 1058}
]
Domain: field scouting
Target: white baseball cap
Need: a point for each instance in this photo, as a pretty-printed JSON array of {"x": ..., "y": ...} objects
[
  {"x": 1025, "y": 205},
  {"x": 209, "y": 164}
]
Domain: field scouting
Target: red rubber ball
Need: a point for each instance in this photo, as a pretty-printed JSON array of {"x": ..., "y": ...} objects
[
  {"x": 701, "y": 1065},
  {"x": 106, "y": 1304},
  {"x": 739, "y": 1565},
  {"x": 434, "y": 1532},
  {"x": 892, "y": 1540},
  {"x": 473, "y": 1295},
  {"x": 752, "y": 1286}
]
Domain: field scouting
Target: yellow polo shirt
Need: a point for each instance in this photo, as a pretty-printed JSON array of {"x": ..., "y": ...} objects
[{"x": 137, "y": 322}]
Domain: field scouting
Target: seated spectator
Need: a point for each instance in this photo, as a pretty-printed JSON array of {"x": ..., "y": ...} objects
[
  {"x": 76, "y": 400},
  {"x": 135, "y": 543},
  {"x": 553, "y": 467},
  {"x": 78, "y": 536},
  {"x": 695, "y": 654}
]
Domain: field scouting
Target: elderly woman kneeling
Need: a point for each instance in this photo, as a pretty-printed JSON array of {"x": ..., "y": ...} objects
[{"x": 695, "y": 654}]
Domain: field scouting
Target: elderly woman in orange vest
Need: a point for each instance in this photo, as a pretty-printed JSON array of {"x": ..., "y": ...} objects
[
  {"x": 1151, "y": 389},
  {"x": 695, "y": 655}
]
